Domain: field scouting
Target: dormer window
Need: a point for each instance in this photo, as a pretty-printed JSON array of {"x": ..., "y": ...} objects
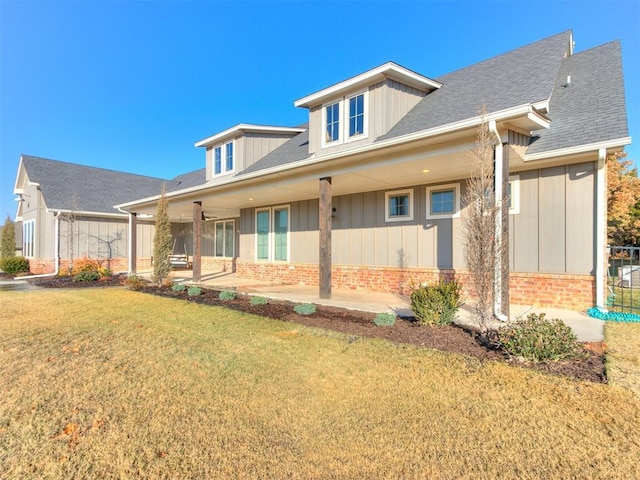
[
  {"x": 345, "y": 120},
  {"x": 218, "y": 166}
]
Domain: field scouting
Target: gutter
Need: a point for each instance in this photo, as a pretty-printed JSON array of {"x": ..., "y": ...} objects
[{"x": 497, "y": 269}]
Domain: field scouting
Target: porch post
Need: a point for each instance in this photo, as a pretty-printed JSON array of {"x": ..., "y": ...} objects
[
  {"x": 324, "y": 216},
  {"x": 504, "y": 274},
  {"x": 197, "y": 235},
  {"x": 133, "y": 243},
  {"x": 601, "y": 229}
]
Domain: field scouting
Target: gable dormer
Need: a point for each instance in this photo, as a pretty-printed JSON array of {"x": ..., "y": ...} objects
[
  {"x": 358, "y": 110},
  {"x": 239, "y": 147}
]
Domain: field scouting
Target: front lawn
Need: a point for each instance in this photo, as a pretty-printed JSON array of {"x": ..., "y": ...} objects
[{"x": 112, "y": 383}]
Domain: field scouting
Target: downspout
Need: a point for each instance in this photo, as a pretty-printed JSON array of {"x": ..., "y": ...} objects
[
  {"x": 601, "y": 212},
  {"x": 497, "y": 269}
]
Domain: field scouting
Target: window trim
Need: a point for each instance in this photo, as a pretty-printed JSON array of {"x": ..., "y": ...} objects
[
  {"x": 456, "y": 201},
  {"x": 224, "y": 237},
  {"x": 514, "y": 207},
  {"x": 271, "y": 244},
  {"x": 29, "y": 233},
  {"x": 223, "y": 158},
  {"x": 343, "y": 119},
  {"x": 397, "y": 193}
]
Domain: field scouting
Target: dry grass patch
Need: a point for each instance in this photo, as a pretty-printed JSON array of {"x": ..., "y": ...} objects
[
  {"x": 114, "y": 383},
  {"x": 623, "y": 355}
]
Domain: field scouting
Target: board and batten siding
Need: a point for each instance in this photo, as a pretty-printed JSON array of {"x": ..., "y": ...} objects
[
  {"x": 555, "y": 229},
  {"x": 389, "y": 101},
  {"x": 102, "y": 238}
]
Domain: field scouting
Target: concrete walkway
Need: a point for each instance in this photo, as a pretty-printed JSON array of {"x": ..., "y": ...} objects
[{"x": 586, "y": 328}]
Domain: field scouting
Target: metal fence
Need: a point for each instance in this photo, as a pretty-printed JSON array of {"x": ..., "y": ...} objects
[{"x": 623, "y": 277}]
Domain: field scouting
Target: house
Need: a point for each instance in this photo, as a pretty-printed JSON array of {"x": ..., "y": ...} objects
[
  {"x": 368, "y": 193},
  {"x": 66, "y": 211}
]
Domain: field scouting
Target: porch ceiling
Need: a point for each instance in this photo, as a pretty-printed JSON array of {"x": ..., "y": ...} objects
[{"x": 365, "y": 174}]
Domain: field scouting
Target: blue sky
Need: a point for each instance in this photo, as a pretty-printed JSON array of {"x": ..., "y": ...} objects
[{"x": 132, "y": 85}]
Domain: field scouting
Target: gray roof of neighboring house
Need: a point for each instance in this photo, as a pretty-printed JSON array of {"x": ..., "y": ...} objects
[
  {"x": 68, "y": 186},
  {"x": 592, "y": 107}
]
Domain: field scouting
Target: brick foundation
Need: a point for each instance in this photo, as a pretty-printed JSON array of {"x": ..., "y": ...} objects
[
  {"x": 571, "y": 292},
  {"x": 40, "y": 266}
]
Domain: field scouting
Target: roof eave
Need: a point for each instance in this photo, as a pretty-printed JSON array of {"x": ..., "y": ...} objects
[
  {"x": 390, "y": 70},
  {"x": 246, "y": 127},
  {"x": 616, "y": 143}
]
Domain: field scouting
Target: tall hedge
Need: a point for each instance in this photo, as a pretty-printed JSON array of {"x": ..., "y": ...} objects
[
  {"x": 162, "y": 241},
  {"x": 8, "y": 247}
]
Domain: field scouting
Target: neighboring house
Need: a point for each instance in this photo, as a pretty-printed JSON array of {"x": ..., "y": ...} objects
[
  {"x": 66, "y": 211},
  {"x": 368, "y": 194}
]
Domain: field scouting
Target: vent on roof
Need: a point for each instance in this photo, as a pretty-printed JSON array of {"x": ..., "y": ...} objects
[{"x": 568, "y": 81}]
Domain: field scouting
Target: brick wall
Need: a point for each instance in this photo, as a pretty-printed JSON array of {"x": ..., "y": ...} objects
[{"x": 571, "y": 292}]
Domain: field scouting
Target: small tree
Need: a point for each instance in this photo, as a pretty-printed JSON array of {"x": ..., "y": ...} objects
[
  {"x": 479, "y": 227},
  {"x": 162, "y": 241},
  {"x": 623, "y": 204},
  {"x": 8, "y": 248}
]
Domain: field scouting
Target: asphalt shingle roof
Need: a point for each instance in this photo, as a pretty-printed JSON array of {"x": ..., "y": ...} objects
[
  {"x": 189, "y": 179},
  {"x": 68, "y": 186},
  {"x": 592, "y": 107}
]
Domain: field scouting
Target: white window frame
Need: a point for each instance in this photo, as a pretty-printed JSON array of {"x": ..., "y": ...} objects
[
  {"x": 514, "y": 207},
  {"x": 397, "y": 193},
  {"x": 343, "y": 128},
  {"x": 223, "y": 159},
  {"x": 456, "y": 201},
  {"x": 271, "y": 244},
  {"x": 28, "y": 233},
  {"x": 224, "y": 238}
]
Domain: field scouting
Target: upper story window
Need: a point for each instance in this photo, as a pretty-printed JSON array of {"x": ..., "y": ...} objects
[
  {"x": 356, "y": 115},
  {"x": 345, "y": 120},
  {"x": 332, "y": 122},
  {"x": 220, "y": 167}
]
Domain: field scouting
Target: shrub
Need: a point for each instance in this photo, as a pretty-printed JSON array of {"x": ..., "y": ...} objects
[
  {"x": 539, "y": 340},
  {"x": 305, "y": 309},
  {"x": 134, "y": 282},
  {"x": 89, "y": 276},
  {"x": 86, "y": 264},
  {"x": 258, "y": 301},
  {"x": 14, "y": 265},
  {"x": 178, "y": 287},
  {"x": 194, "y": 291},
  {"x": 385, "y": 320},
  {"x": 226, "y": 296},
  {"x": 438, "y": 304}
]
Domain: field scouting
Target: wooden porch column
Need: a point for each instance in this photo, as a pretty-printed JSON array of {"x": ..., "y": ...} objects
[
  {"x": 505, "y": 230},
  {"x": 197, "y": 236},
  {"x": 133, "y": 243},
  {"x": 325, "y": 213}
]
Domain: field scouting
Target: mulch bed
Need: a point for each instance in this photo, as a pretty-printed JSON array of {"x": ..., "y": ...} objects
[
  {"x": 66, "y": 281},
  {"x": 456, "y": 339}
]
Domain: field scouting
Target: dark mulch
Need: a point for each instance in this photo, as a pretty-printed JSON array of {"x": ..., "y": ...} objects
[{"x": 360, "y": 324}]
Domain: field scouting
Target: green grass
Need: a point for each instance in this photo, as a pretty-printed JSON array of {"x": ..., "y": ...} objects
[{"x": 112, "y": 383}]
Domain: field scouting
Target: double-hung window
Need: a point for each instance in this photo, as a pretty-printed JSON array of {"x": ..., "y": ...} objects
[
  {"x": 272, "y": 234},
  {"x": 399, "y": 206},
  {"x": 332, "y": 122},
  {"x": 345, "y": 120},
  {"x": 356, "y": 115},
  {"x": 223, "y": 159},
  {"x": 28, "y": 238},
  {"x": 225, "y": 238},
  {"x": 443, "y": 201}
]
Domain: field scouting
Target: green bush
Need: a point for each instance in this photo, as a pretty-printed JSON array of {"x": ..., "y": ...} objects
[
  {"x": 88, "y": 276},
  {"x": 437, "y": 304},
  {"x": 227, "y": 295},
  {"x": 539, "y": 340},
  {"x": 178, "y": 287},
  {"x": 194, "y": 291},
  {"x": 134, "y": 282},
  {"x": 258, "y": 301},
  {"x": 14, "y": 265},
  {"x": 305, "y": 309},
  {"x": 385, "y": 320}
]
